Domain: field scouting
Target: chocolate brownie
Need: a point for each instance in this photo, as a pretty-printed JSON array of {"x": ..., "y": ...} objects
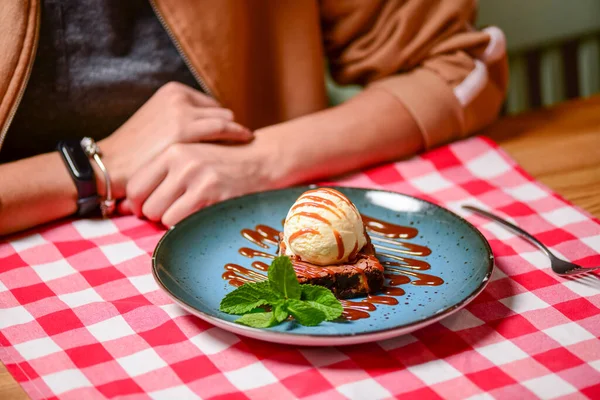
[{"x": 359, "y": 277}]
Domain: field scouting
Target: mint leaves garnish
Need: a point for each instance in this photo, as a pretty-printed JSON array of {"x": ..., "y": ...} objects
[
  {"x": 258, "y": 320},
  {"x": 308, "y": 304},
  {"x": 323, "y": 300},
  {"x": 280, "y": 311},
  {"x": 283, "y": 279},
  {"x": 304, "y": 313},
  {"x": 248, "y": 297}
]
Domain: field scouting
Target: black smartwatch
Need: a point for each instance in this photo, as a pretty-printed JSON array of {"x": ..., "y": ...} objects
[{"x": 80, "y": 168}]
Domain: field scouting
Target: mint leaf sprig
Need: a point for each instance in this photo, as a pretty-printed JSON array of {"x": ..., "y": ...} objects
[{"x": 308, "y": 304}]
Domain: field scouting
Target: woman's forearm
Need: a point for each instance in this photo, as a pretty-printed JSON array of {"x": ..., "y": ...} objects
[
  {"x": 371, "y": 128},
  {"x": 34, "y": 191}
]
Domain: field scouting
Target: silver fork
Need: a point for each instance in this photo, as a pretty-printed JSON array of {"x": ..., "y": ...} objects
[{"x": 559, "y": 266}]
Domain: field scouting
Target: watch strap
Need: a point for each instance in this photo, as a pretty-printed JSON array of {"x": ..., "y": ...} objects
[
  {"x": 82, "y": 173},
  {"x": 87, "y": 205}
]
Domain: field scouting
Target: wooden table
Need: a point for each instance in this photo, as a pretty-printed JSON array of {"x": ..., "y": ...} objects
[{"x": 558, "y": 146}]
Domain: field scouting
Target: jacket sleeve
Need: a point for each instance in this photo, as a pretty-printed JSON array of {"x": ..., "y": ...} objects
[{"x": 449, "y": 76}]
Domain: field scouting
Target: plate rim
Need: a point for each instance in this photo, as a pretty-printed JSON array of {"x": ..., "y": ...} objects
[{"x": 343, "y": 338}]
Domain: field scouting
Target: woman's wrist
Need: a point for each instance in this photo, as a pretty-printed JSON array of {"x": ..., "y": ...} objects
[
  {"x": 275, "y": 166},
  {"x": 48, "y": 194},
  {"x": 301, "y": 149},
  {"x": 372, "y": 127}
]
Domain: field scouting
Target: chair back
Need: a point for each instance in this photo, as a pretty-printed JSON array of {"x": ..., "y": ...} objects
[{"x": 553, "y": 47}]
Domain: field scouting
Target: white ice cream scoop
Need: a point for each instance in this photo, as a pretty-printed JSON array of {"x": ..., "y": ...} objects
[{"x": 323, "y": 227}]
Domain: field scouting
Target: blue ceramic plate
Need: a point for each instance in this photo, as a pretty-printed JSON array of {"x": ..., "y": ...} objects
[{"x": 440, "y": 261}]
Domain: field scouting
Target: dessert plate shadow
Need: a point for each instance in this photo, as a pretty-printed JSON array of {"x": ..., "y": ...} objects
[{"x": 435, "y": 269}]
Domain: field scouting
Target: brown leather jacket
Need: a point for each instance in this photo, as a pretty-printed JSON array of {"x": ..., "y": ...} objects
[{"x": 265, "y": 59}]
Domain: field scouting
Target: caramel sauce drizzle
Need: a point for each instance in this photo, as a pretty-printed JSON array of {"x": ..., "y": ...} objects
[
  {"x": 313, "y": 216},
  {"x": 261, "y": 234},
  {"x": 401, "y": 271},
  {"x": 261, "y": 266},
  {"x": 307, "y": 270},
  {"x": 319, "y": 205},
  {"x": 388, "y": 229},
  {"x": 358, "y": 305},
  {"x": 323, "y": 200},
  {"x": 251, "y": 253},
  {"x": 352, "y": 314},
  {"x": 354, "y": 252},
  {"x": 393, "y": 291},
  {"x": 336, "y": 234},
  {"x": 235, "y": 279},
  {"x": 301, "y": 232},
  {"x": 354, "y": 309},
  {"x": 340, "y": 244},
  {"x": 391, "y": 301},
  {"x": 332, "y": 192},
  {"x": 310, "y": 271},
  {"x": 422, "y": 279},
  {"x": 248, "y": 273},
  {"x": 404, "y": 262},
  {"x": 406, "y": 248},
  {"x": 397, "y": 279}
]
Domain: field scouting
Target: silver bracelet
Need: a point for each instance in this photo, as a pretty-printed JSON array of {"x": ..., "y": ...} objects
[{"x": 90, "y": 147}]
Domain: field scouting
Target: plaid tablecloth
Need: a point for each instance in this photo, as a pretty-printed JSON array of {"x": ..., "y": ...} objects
[{"x": 82, "y": 318}]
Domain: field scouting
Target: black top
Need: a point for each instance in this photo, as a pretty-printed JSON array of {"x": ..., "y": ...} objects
[{"x": 97, "y": 62}]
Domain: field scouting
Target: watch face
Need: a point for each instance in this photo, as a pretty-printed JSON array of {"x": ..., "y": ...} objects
[{"x": 78, "y": 161}]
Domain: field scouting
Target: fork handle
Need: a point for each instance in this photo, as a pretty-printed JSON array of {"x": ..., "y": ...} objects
[{"x": 513, "y": 228}]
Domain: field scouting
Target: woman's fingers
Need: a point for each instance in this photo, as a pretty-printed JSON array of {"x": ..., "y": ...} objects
[
  {"x": 201, "y": 118},
  {"x": 185, "y": 205},
  {"x": 194, "y": 96},
  {"x": 216, "y": 129},
  {"x": 169, "y": 190},
  {"x": 124, "y": 207},
  {"x": 143, "y": 183},
  {"x": 212, "y": 112}
]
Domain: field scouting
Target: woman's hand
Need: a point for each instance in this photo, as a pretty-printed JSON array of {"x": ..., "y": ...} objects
[
  {"x": 175, "y": 114},
  {"x": 187, "y": 177}
]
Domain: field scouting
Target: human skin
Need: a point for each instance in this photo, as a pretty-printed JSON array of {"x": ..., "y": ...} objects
[
  {"x": 182, "y": 151},
  {"x": 371, "y": 128},
  {"x": 39, "y": 189}
]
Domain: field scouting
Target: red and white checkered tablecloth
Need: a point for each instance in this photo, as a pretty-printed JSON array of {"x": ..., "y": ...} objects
[{"x": 82, "y": 318}]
